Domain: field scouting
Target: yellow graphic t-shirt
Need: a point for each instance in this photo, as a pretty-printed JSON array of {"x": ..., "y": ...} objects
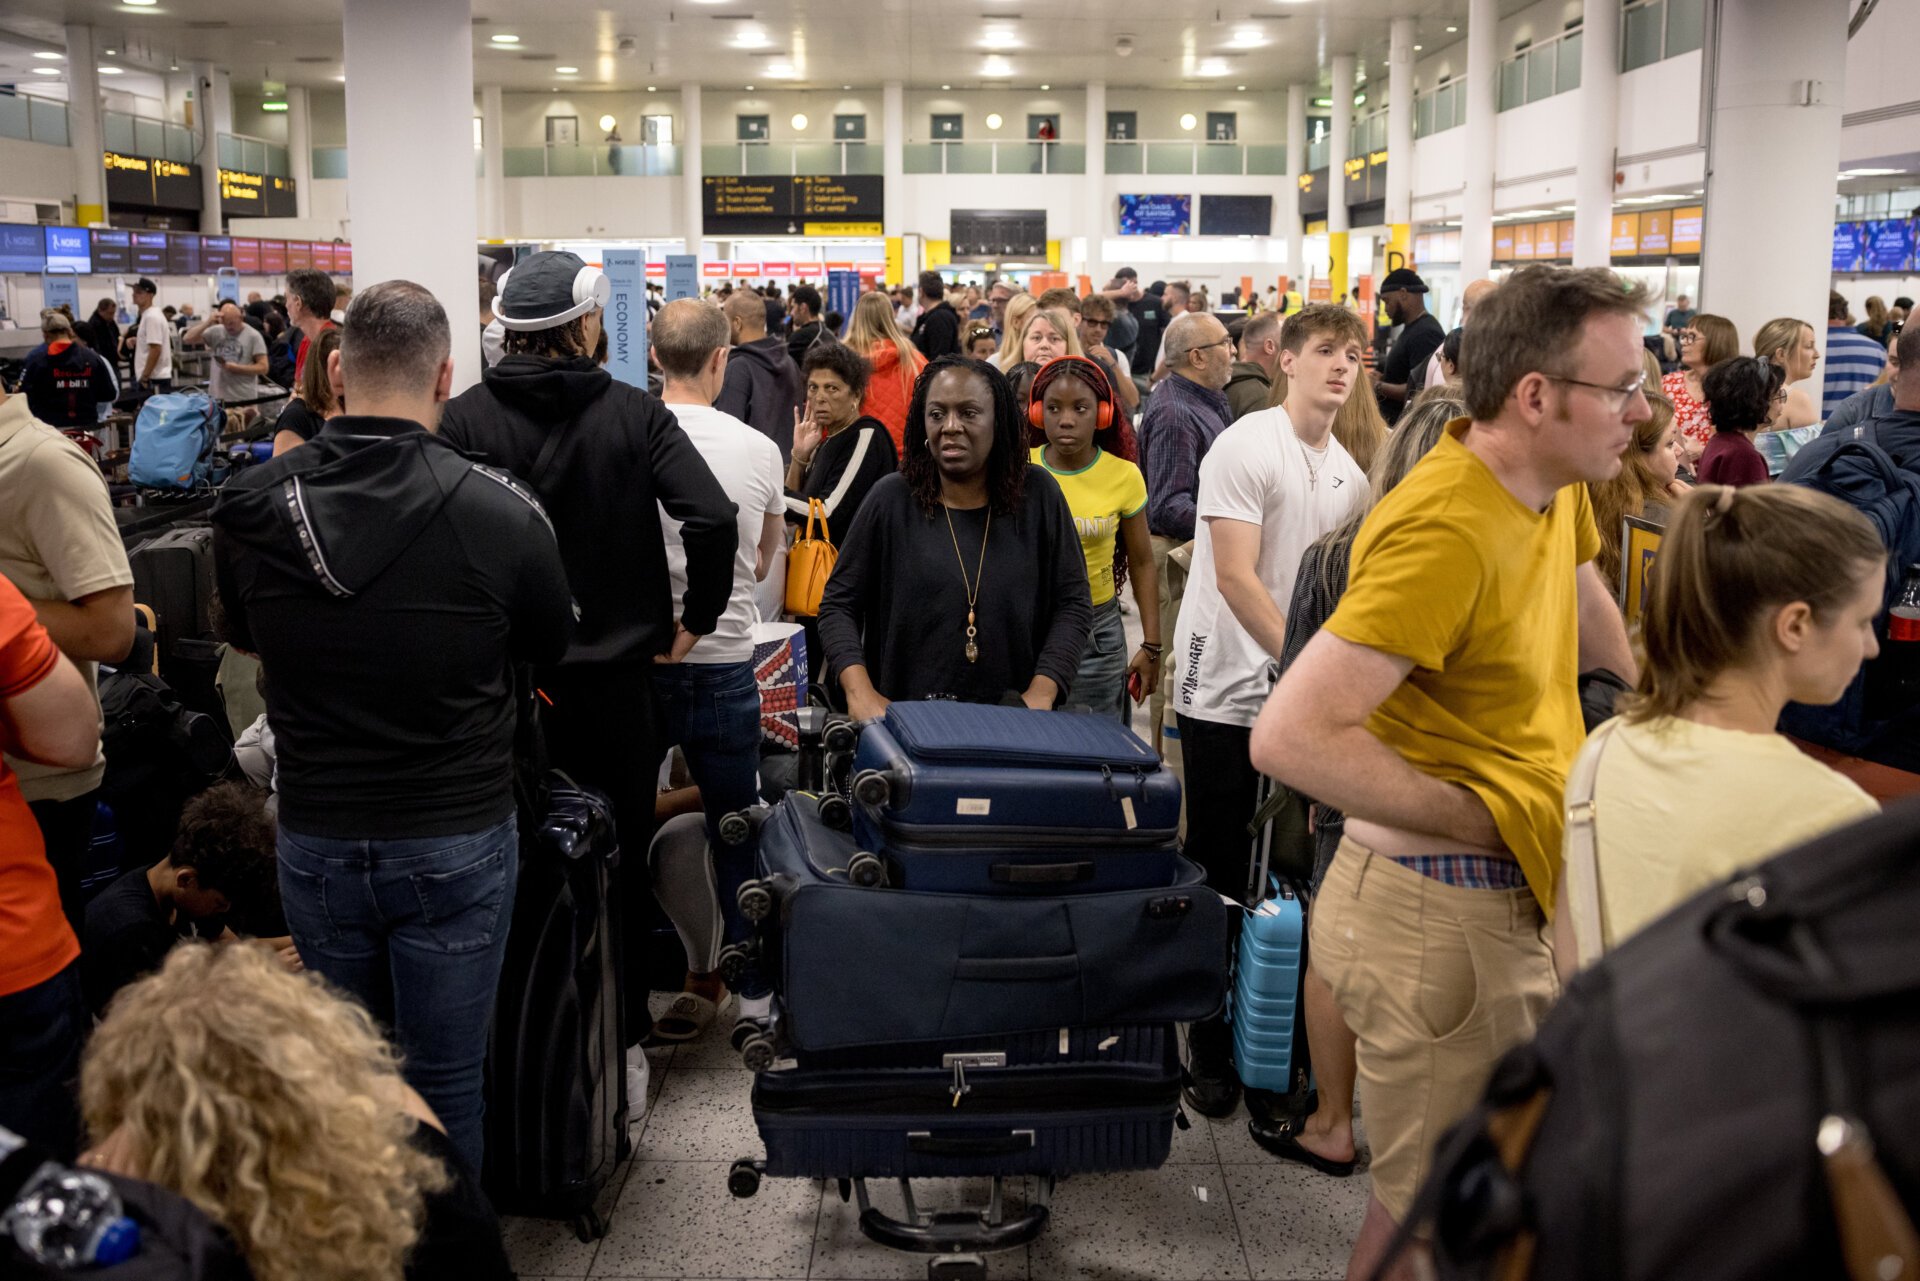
[{"x": 1101, "y": 495}]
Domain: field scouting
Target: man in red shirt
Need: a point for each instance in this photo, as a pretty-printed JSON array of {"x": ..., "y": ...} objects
[
  {"x": 310, "y": 308},
  {"x": 47, "y": 714}
]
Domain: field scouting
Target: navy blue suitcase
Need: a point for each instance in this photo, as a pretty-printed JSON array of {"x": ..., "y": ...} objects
[
  {"x": 860, "y": 967},
  {"x": 1055, "y": 1102},
  {"x": 1009, "y": 800}
]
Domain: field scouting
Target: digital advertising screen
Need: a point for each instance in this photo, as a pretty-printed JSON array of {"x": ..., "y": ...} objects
[
  {"x": 1156, "y": 215},
  {"x": 1889, "y": 245},
  {"x": 1236, "y": 215},
  {"x": 1849, "y": 245}
]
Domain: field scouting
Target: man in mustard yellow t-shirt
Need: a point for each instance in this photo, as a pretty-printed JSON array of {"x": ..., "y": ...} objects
[{"x": 1439, "y": 708}]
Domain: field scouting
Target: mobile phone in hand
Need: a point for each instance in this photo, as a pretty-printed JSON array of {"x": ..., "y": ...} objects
[{"x": 1136, "y": 687}]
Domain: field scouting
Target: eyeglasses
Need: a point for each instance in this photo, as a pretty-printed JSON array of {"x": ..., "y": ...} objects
[
  {"x": 1687, "y": 336},
  {"x": 1224, "y": 342},
  {"x": 1619, "y": 397}
]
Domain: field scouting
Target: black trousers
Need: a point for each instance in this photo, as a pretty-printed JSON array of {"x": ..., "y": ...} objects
[
  {"x": 1223, "y": 791},
  {"x": 602, "y": 730},
  {"x": 66, "y": 828}
]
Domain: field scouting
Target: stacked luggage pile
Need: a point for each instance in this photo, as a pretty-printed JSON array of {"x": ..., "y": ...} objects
[{"x": 978, "y": 974}]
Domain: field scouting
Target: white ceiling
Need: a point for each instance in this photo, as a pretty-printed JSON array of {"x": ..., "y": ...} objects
[{"x": 1264, "y": 44}]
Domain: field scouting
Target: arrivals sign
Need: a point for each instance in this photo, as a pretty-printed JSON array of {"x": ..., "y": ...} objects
[{"x": 152, "y": 183}]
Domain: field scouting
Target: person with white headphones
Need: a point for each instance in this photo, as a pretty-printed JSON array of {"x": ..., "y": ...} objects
[{"x": 604, "y": 458}]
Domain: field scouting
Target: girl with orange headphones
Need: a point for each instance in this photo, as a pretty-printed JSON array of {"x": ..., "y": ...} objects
[{"x": 1079, "y": 437}]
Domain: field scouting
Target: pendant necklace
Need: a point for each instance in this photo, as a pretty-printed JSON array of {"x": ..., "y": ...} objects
[
  {"x": 979, "y": 576},
  {"x": 1313, "y": 473}
]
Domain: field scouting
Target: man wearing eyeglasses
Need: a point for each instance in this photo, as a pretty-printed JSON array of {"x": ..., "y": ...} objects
[
  {"x": 1439, "y": 707},
  {"x": 1404, "y": 295}
]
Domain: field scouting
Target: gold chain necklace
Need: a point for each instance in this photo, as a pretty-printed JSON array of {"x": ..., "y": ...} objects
[{"x": 979, "y": 576}]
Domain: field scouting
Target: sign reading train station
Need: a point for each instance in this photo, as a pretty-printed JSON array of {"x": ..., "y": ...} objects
[{"x": 808, "y": 204}]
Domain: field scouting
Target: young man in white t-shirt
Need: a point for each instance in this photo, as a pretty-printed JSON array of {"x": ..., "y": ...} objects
[
  {"x": 1272, "y": 484},
  {"x": 709, "y": 704},
  {"x": 153, "y": 341}
]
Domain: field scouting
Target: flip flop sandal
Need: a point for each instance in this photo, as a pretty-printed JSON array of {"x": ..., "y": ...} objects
[
  {"x": 685, "y": 1019},
  {"x": 1281, "y": 1143}
]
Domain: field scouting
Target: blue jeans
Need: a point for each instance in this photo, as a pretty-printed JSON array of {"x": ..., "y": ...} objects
[
  {"x": 417, "y": 930},
  {"x": 712, "y": 712},
  {"x": 41, "y": 1031},
  {"x": 1101, "y": 682}
]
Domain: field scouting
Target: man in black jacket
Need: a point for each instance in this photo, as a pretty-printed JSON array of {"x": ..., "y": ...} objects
[
  {"x": 763, "y": 384},
  {"x": 937, "y": 332},
  {"x": 389, "y": 585},
  {"x": 604, "y": 457},
  {"x": 805, "y": 328}
]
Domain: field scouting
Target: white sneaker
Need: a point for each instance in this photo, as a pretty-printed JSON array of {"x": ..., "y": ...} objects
[{"x": 638, "y": 1073}]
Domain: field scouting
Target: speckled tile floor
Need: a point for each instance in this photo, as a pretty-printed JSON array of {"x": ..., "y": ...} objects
[{"x": 1219, "y": 1208}]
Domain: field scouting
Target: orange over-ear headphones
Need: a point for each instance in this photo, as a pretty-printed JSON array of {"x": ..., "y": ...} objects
[{"x": 1095, "y": 378}]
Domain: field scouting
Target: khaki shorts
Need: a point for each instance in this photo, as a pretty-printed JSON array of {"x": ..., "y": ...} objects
[{"x": 1436, "y": 982}]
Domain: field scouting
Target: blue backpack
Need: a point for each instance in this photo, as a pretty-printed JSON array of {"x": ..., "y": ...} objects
[
  {"x": 173, "y": 441},
  {"x": 1855, "y": 469}
]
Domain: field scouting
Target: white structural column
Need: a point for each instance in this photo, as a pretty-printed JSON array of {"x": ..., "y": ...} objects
[
  {"x": 1483, "y": 78},
  {"x": 213, "y": 98},
  {"x": 1777, "y": 68},
  {"x": 893, "y": 157},
  {"x": 300, "y": 149},
  {"x": 693, "y": 192},
  {"x": 83, "y": 128},
  {"x": 1094, "y": 220},
  {"x": 1596, "y": 137},
  {"x": 493, "y": 159},
  {"x": 1400, "y": 88},
  {"x": 411, "y": 189},
  {"x": 1290, "y": 194},
  {"x": 1339, "y": 139}
]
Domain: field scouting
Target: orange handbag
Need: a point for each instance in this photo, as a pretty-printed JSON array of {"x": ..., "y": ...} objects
[{"x": 810, "y": 563}]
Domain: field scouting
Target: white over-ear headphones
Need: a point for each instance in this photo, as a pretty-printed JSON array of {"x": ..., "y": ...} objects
[{"x": 591, "y": 290}]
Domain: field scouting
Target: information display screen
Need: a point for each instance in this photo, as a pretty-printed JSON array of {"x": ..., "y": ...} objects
[
  {"x": 1687, "y": 229},
  {"x": 321, "y": 252},
  {"x": 784, "y": 206},
  {"x": 246, "y": 256},
  {"x": 216, "y": 252},
  {"x": 150, "y": 252},
  {"x": 1156, "y": 215},
  {"x": 70, "y": 247},
  {"x": 299, "y": 255},
  {"x": 343, "y": 260},
  {"x": 273, "y": 257},
  {"x": 1626, "y": 235},
  {"x": 1236, "y": 215},
  {"x": 112, "y": 251},
  {"x": 183, "y": 254},
  {"x": 22, "y": 247}
]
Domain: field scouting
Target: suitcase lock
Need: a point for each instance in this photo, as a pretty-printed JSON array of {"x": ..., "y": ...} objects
[{"x": 961, "y": 1062}]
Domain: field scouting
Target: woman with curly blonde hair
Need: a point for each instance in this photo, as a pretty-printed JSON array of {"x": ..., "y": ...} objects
[{"x": 276, "y": 1107}]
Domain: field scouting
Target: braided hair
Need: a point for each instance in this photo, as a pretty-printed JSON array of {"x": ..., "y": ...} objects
[
  {"x": 1116, "y": 438},
  {"x": 1006, "y": 463}
]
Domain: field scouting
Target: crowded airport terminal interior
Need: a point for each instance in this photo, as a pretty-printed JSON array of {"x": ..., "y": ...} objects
[{"x": 1402, "y": 764}]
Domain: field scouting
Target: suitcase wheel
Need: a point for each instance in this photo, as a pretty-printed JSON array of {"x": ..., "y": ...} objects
[
  {"x": 755, "y": 900},
  {"x": 735, "y": 827},
  {"x": 872, "y": 787},
  {"x": 836, "y": 813},
  {"x": 590, "y": 1226},
  {"x": 841, "y": 735},
  {"x": 866, "y": 870},
  {"x": 733, "y": 961},
  {"x": 757, "y": 1053},
  {"x": 743, "y": 1180}
]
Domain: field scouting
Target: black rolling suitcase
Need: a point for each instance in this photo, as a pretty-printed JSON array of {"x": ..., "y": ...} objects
[
  {"x": 174, "y": 574},
  {"x": 556, "y": 1090}
]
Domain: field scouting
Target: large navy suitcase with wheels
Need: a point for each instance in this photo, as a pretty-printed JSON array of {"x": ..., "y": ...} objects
[
  {"x": 859, "y": 966},
  {"x": 556, "y": 1123},
  {"x": 1008, "y": 800},
  {"x": 1055, "y": 1102}
]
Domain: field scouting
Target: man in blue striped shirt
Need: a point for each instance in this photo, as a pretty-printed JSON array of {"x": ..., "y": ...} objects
[{"x": 1853, "y": 359}]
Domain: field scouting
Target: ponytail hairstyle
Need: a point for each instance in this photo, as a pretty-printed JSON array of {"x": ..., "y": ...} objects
[{"x": 1729, "y": 559}]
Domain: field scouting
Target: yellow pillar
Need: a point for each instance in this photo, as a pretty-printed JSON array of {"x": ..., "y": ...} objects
[
  {"x": 87, "y": 215},
  {"x": 1400, "y": 242},
  {"x": 1337, "y": 263}
]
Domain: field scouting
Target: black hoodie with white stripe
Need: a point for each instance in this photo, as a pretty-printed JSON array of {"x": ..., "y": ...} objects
[
  {"x": 846, "y": 465},
  {"x": 389, "y": 584}
]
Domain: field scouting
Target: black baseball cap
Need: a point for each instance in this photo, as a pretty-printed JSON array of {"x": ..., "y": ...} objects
[
  {"x": 145, "y": 286},
  {"x": 549, "y": 289},
  {"x": 1403, "y": 278}
]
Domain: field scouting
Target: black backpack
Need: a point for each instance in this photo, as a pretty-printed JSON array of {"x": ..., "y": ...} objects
[
  {"x": 1732, "y": 1093},
  {"x": 160, "y": 754}
]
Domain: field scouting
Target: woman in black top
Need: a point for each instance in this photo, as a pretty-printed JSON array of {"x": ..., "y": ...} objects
[
  {"x": 963, "y": 576},
  {"x": 837, "y": 453},
  {"x": 313, "y": 400}
]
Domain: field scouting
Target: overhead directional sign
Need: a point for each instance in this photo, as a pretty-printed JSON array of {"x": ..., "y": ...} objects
[{"x": 785, "y": 206}]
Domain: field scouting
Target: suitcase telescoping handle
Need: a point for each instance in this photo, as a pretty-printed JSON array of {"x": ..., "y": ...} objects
[{"x": 927, "y": 1143}]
